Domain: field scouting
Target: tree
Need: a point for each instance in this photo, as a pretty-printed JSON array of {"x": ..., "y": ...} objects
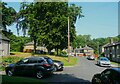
[
  {"x": 47, "y": 23},
  {"x": 8, "y": 15},
  {"x": 81, "y": 40},
  {"x": 16, "y": 43}
]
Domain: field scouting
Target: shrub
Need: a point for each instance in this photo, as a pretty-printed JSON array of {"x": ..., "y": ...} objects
[{"x": 9, "y": 59}]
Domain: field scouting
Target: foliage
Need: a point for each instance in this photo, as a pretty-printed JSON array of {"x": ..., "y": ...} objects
[
  {"x": 8, "y": 60},
  {"x": 16, "y": 43},
  {"x": 47, "y": 22},
  {"x": 82, "y": 40},
  {"x": 8, "y": 15}
]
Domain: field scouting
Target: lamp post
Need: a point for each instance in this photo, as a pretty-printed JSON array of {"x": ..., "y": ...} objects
[
  {"x": 98, "y": 49},
  {"x": 68, "y": 40}
]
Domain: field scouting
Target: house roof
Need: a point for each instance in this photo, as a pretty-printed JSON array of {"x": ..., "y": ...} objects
[
  {"x": 85, "y": 48},
  {"x": 113, "y": 44},
  {"x": 4, "y": 38},
  {"x": 30, "y": 43}
]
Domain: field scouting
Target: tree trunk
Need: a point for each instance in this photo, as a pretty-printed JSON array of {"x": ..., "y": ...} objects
[
  {"x": 34, "y": 45},
  {"x": 49, "y": 51},
  {"x": 57, "y": 51}
]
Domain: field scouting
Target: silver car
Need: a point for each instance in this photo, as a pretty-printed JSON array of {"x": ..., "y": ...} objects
[{"x": 103, "y": 61}]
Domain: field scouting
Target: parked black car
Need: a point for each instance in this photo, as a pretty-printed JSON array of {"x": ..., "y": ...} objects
[
  {"x": 35, "y": 66},
  {"x": 108, "y": 76},
  {"x": 58, "y": 65}
]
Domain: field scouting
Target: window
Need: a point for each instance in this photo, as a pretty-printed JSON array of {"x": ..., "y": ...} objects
[
  {"x": 105, "y": 74},
  {"x": 33, "y": 61},
  {"x": 113, "y": 47},
  {"x": 25, "y": 60},
  {"x": 40, "y": 61},
  {"x": 113, "y": 56},
  {"x": 50, "y": 61},
  {"x": 117, "y": 46}
]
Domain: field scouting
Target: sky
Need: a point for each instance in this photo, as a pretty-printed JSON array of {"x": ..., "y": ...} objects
[{"x": 100, "y": 21}]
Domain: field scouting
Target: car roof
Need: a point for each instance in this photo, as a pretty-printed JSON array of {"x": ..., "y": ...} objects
[
  {"x": 36, "y": 58},
  {"x": 117, "y": 69}
]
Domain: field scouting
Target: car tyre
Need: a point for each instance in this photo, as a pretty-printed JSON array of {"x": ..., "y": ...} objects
[
  {"x": 39, "y": 74},
  {"x": 55, "y": 68},
  {"x": 61, "y": 69},
  {"x": 10, "y": 73}
]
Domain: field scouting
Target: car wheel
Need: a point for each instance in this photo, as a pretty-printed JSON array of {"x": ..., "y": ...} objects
[
  {"x": 55, "y": 68},
  {"x": 10, "y": 73},
  {"x": 39, "y": 74},
  {"x": 61, "y": 69}
]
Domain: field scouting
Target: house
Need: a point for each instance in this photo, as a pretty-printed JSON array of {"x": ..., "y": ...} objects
[
  {"x": 85, "y": 51},
  {"x": 4, "y": 45},
  {"x": 112, "y": 51},
  {"x": 29, "y": 47}
]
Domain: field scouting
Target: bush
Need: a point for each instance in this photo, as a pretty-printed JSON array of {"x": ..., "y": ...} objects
[{"x": 9, "y": 59}]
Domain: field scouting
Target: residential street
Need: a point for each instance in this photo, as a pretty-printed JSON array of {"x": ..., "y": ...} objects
[{"x": 81, "y": 73}]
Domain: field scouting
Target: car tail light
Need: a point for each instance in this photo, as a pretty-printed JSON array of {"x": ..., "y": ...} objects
[{"x": 46, "y": 65}]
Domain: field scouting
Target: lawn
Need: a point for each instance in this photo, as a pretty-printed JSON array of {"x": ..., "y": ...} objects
[
  {"x": 117, "y": 64},
  {"x": 21, "y": 80},
  {"x": 16, "y": 56}
]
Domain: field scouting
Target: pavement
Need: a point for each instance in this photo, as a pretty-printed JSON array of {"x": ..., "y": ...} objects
[{"x": 2, "y": 72}]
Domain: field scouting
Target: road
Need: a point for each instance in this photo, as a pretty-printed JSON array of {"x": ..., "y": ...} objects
[{"x": 81, "y": 73}]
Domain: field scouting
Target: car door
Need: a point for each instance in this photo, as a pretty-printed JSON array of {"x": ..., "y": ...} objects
[
  {"x": 115, "y": 77},
  {"x": 29, "y": 67},
  {"x": 19, "y": 67},
  {"x": 106, "y": 76}
]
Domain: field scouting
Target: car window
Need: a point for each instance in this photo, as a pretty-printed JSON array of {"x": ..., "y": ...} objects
[
  {"x": 33, "y": 61},
  {"x": 104, "y": 59},
  {"x": 106, "y": 74},
  {"x": 40, "y": 61},
  {"x": 50, "y": 61},
  {"x": 23, "y": 61}
]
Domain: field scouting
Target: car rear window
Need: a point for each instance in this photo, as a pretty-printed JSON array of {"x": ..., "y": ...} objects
[{"x": 50, "y": 61}]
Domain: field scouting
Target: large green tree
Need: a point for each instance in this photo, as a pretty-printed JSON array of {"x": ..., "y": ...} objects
[
  {"x": 8, "y": 15},
  {"x": 48, "y": 23}
]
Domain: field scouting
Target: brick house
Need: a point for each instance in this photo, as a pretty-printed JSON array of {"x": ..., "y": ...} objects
[
  {"x": 85, "y": 51},
  {"x": 4, "y": 45},
  {"x": 112, "y": 51}
]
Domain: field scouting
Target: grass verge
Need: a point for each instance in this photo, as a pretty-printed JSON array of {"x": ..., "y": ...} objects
[
  {"x": 20, "y": 80},
  {"x": 116, "y": 64}
]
